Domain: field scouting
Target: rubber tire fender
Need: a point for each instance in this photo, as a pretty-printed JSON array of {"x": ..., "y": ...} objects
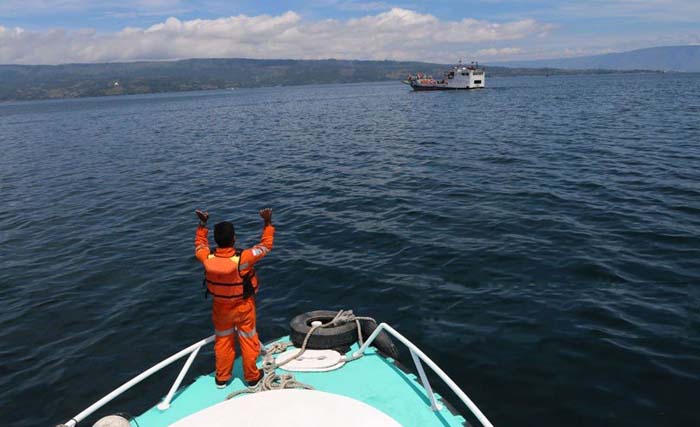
[
  {"x": 383, "y": 342},
  {"x": 331, "y": 337}
]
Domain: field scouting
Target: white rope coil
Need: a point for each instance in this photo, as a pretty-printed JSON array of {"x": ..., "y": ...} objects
[{"x": 271, "y": 380}]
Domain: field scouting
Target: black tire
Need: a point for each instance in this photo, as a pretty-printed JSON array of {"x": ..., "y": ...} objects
[
  {"x": 383, "y": 342},
  {"x": 332, "y": 337}
]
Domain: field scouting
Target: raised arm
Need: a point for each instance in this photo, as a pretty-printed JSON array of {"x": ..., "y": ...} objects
[
  {"x": 254, "y": 254},
  {"x": 201, "y": 242}
]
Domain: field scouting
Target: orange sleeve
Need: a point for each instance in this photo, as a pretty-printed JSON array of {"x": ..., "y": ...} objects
[
  {"x": 201, "y": 243},
  {"x": 252, "y": 255}
]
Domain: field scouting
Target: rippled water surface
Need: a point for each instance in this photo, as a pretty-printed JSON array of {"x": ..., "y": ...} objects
[{"x": 540, "y": 239}]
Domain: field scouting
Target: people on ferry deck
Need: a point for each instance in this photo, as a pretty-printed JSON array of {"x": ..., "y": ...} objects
[{"x": 231, "y": 280}]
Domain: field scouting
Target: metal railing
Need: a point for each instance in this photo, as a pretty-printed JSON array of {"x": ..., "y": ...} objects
[
  {"x": 192, "y": 350},
  {"x": 417, "y": 356}
]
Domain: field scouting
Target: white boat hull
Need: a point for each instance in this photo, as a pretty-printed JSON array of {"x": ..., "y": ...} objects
[{"x": 459, "y": 78}]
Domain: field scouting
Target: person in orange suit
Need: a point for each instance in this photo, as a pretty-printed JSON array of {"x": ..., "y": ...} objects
[{"x": 232, "y": 282}]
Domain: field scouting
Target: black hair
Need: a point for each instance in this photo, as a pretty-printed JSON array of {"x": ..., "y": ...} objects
[{"x": 224, "y": 234}]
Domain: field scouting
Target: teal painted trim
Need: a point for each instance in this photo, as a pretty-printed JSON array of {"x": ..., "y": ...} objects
[{"x": 372, "y": 379}]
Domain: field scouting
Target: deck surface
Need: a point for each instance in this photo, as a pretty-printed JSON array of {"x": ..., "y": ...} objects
[{"x": 372, "y": 379}]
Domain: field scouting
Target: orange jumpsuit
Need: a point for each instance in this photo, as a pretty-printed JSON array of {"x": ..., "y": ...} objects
[{"x": 234, "y": 315}]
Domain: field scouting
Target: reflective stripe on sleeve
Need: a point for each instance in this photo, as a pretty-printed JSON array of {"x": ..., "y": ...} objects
[
  {"x": 224, "y": 333},
  {"x": 259, "y": 250},
  {"x": 250, "y": 334}
]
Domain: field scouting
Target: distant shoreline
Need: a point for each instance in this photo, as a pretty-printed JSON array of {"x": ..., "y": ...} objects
[
  {"x": 46, "y": 82},
  {"x": 10, "y": 101}
]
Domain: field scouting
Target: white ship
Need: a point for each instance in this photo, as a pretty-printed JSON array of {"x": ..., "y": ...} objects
[{"x": 459, "y": 77}]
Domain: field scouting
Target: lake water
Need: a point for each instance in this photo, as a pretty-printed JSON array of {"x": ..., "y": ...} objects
[{"x": 539, "y": 239}]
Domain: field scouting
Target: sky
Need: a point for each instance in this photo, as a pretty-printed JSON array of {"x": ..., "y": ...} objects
[{"x": 489, "y": 31}]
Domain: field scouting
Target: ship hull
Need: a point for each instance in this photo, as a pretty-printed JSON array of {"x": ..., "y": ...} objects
[
  {"x": 418, "y": 88},
  {"x": 373, "y": 379},
  {"x": 458, "y": 78}
]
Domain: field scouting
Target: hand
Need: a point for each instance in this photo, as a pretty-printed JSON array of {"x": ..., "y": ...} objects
[
  {"x": 203, "y": 217},
  {"x": 266, "y": 215}
]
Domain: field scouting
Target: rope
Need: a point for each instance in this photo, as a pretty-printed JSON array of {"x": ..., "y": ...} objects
[
  {"x": 271, "y": 380},
  {"x": 277, "y": 347}
]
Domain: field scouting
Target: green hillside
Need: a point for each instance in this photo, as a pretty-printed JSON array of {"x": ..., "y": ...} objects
[{"x": 26, "y": 82}]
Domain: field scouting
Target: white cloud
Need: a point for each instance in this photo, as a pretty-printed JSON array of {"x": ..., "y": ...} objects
[
  {"x": 394, "y": 34},
  {"x": 504, "y": 51}
]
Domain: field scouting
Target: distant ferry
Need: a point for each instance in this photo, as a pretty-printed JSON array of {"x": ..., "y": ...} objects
[{"x": 459, "y": 77}]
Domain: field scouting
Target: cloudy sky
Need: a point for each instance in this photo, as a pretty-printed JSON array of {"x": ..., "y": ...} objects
[{"x": 62, "y": 31}]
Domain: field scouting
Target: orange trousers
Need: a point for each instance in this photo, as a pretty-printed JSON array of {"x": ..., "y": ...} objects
[{"x": 231, "y": 319}]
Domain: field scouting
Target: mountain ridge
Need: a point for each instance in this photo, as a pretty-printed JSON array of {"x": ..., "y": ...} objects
[
  {"x": 661, "y": 58},
  {"x": 29, "y": 82}
]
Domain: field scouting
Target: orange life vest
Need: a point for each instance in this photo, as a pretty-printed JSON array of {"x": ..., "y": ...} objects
[{"x": 223, "y": 279}]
